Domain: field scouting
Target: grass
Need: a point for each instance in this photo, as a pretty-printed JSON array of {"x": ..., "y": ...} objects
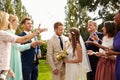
[{"x": 44, "y": 71}]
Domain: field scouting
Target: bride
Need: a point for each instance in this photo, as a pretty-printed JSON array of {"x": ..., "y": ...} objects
[{"x": 77, "y": 63}]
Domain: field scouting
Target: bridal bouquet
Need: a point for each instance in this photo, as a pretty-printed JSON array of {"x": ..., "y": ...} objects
[{"x": 62, "y": 55}]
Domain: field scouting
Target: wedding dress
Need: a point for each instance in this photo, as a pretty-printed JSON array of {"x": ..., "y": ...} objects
[
  {"x": 77, "y": 71},
  {"x": 72, "y": 69}
]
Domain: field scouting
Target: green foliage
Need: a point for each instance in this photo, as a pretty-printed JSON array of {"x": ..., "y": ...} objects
[
  {"x": 76, "y": 16},
  {"x": 106, "y": 8},
  {"x": 21, "y": 12},
  {"x": 44, "y": 49},
  {"x": 9, "y": 7},
  {"x": 2, "y": 5}
]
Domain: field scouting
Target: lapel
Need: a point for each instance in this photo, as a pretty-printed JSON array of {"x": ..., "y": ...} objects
[
  {"x": 57, "y": 43},
  {"x": 24, "y": 35},
  {"x": 55, "y": 40}
]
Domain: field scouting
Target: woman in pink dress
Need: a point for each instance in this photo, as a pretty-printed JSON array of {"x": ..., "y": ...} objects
[{"x": 106, "y": 64}]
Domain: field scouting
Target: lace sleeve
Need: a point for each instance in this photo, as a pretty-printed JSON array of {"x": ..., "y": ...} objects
[{"x": 5, "y": 36}]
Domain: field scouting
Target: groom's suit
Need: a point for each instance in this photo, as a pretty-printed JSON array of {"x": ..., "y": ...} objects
[{"x": 52, "y": 49}]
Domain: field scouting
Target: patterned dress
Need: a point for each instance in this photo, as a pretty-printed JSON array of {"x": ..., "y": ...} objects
[{"x": 5, "y": 49}]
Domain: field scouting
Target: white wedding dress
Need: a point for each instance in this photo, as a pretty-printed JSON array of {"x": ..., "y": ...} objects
[
  {"x": 77, "y": 71},
  {"x": 72, "y": 69}
]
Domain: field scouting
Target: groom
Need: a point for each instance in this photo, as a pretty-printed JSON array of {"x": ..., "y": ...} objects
[{"x": 55, "y": 44}]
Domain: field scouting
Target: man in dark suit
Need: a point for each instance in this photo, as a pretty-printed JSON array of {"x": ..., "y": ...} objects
[
  {"x": 94, "y": 34},
  {"x": 29, "y": 57}
]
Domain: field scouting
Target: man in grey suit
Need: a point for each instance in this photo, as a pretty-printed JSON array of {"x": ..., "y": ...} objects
[{"x": 55, "y": 44}]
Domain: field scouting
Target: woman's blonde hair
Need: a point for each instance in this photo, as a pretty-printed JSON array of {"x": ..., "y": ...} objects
[
  {"x": 3, "y": 18},
  {"x": 11, "y": 19}
]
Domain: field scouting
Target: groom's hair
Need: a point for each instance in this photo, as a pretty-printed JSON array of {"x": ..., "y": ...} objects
[
  {"x": 57, "y": 24},
  {"x": 25, "y": 19}
]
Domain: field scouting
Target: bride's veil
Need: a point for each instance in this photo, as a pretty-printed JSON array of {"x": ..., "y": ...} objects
[{"x": 85, "y": 61}]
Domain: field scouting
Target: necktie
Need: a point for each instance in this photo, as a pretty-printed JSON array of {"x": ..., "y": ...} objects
[{"x": 61, "y": 43}]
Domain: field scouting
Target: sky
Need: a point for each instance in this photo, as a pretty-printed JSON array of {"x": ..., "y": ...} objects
[{"x": 46, "y": 13}]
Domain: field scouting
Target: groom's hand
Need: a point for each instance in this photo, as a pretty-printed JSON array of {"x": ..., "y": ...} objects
[{"x": 56, "y": 72}]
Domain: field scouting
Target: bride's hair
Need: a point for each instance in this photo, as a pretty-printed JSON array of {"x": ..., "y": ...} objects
[{"x": 75, "y": 32}]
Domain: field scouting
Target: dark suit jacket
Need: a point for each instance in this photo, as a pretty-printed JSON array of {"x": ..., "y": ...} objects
[
  {"x": 93, "y": 59},
  {"x": 27, "y": 56}
]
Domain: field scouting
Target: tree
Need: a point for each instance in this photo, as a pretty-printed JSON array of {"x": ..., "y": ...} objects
[
  {"x": 21, "y": 12},
  {"x": 76, "y": 16},
  {"x": 2, "y": 2},
  {"x": 8, "y": 7},
  {"x": 106, "y": 8}
]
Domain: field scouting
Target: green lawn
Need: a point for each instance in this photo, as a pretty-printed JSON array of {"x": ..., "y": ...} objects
[{"x": 44, "y": 71}]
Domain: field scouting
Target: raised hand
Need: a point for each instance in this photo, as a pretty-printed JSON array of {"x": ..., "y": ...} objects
[
  {"x": 40, "y": 42},
  {"x": 34, "y": 44},
  {"x": 41, "y": 29},
  {"x": 94, "y": 37},
  {"x": 100, "y": 54},
  {"x": 90, "y": 52},
  {"x": 92, "y": 42}
]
